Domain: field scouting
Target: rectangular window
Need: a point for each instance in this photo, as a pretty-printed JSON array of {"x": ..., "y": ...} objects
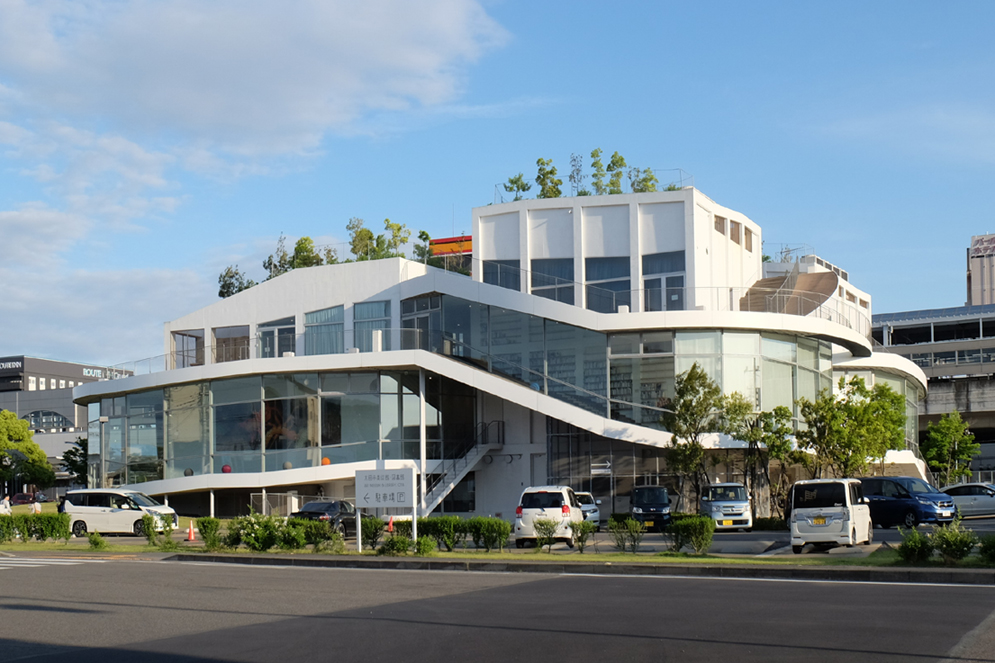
[
  {"x": 31, "y": 383},
  {"x": 367, "y": 318},
  {"x": 52, "y": 385},
  {"x": 720, "y": 225},
  {"x": 504, "y": 273},
  {"x": 324, "y": 331},
  {"x": 748, "y": 237},
  {"x": 71, "y": 384},
  {"x": 734, "y": 231},
  {"x": 231, "y": 343},
  {"x": 553, "y": 278},
  {"x": 663, "y": 263},
  {"x": 188, "y": 347},
  {"x": 277, "y": 337},
  {"x": 608, "y": 285},
  {"x": 41, "y": 384},
  {"x": 62, "y": 384}
]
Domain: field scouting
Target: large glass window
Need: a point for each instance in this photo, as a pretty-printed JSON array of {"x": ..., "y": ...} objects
[
  {"x": 421, "y": 323},
  {"x": 324, "y": 331},
  {"x": 188, "y": 348},
  {"x": 553, "y": 278},
  {"x": 608, "y": 285},
  {"x": 505, "y": 273},
  {"x": 367, "y": 318},
  {"x": 277, "y": 337},
  {"x": 664, "y": 281},
  {"x": 231, "y": 343}
]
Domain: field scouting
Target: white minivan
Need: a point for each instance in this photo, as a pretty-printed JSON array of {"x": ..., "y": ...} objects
[
  {"x": 556, "y": 503},
  {"x": 829, "y": 511},
  {"x": 109, "y": 510}
]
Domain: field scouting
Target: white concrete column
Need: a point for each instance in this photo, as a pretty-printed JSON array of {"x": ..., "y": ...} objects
[
  {"x": 635, "y": 260},
  {"x": 422, "y": 441},
  {"x": 212, "y": 503},
  {"x": 580, "y": 277}
]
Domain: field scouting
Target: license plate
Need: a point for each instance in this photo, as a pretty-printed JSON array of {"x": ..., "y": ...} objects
[
  {"x": 649, "y": 523},
  {"x": 820, "y": 520},
  {"x": 726, "y": 523},
  {"x": 945, "y": 514}
]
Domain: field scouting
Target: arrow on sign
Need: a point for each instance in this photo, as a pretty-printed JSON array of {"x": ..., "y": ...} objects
[{"x": 366, "y": 497}]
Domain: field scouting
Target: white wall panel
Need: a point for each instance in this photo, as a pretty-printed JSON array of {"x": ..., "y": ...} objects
[
  {"x": 551, "y": 233},
  {"x": 499, "y": 237},
  {"x": 606, "y": 231},
  {"x": 661, "y": 227}
]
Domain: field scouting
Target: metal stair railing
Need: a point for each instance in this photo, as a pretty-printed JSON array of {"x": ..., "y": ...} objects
[{"x": 487, "y": 435}]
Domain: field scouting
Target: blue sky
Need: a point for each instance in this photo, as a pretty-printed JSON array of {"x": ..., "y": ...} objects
[{"x": 144, "y": 146}]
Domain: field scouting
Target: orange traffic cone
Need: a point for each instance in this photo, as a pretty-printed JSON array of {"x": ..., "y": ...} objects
[
  {"x": 390, "y": 525},
  {"x": 190, "y": 536}
]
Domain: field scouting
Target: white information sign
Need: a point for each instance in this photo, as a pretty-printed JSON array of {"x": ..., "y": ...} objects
[{"x": 385, "y": 488}]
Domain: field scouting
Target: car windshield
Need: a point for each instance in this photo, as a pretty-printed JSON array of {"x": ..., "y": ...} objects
[
  {"x": 649, "y": 495},
  {"x": 319, "y": 506},
  {"x": 142, "y": 499},
  {"x": 917, "y": 486},
  {"x": 819, "y": 495},
  {"x": 727, "y": 494},
  {"x": 584, "y": 498},
  {"x": 542, "y": 500}
]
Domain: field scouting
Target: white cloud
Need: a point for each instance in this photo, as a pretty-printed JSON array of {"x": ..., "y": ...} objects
[
  {"x": 956, "y": 132},
  {"x": 35, "y": 235}
]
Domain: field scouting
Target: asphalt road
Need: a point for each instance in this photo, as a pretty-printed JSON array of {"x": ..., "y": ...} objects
[{"x": 191, "y": 612}]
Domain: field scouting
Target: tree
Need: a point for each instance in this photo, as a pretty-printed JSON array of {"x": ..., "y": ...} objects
[
  {"x": 279, "y": 262},
  {"x": 517, "y": 185},
  {"x": 397, "y": 235},
  {"x": 949, "y": 448},
  {"x": 20, "y": 457},
  {"x": 549, "y": 185},
  {"x": 617, "y": 168},
  {"x": 423, "y": 251},
  {"x": 75, "y": 461},
  {"x": 642, "y": 181},
  {"x": 577, "y": 176},
  {"x": 361, "y": 239},
  {"x": 232, "y": 281},
  {"x": 767, "y": 436},
  {"x": 693, "y": 412},
  {"x": 598, "y": 177},
  {"x": 845, "y": 430},
  {"x": 305, "y": 255}
]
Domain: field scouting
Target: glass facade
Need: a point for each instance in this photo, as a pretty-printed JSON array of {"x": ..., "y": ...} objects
[{"x": 276, "y": 422}]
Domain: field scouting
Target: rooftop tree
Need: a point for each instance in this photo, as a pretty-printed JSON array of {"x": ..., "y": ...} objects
[
  {"x": 599, "y": 175},
  {"x": 549, "y": 185}
]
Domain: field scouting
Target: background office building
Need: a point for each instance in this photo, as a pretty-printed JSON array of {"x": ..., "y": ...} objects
[{"x": 547, "y": 364}]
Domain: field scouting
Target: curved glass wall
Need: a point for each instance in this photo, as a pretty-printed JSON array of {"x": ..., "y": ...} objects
[{"x": 276, "y": 422}]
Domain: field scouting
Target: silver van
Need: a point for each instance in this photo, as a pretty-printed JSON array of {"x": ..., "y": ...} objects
[
  {"x": 728, "y": 505},
  {"x": 110, "y": 510}
]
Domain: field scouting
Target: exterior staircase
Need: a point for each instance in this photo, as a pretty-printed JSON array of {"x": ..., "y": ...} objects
[{"x": 488, "y": 436}]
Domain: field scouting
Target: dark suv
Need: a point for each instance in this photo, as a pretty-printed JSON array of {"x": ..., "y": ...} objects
[
  {"x": 340, "y": 515},
  {"x": 906, "y": 501},
  {"x": 650, "y": 505}
]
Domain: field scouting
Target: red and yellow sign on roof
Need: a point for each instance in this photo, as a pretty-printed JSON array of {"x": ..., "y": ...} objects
[{"x": 452, "y": 246}]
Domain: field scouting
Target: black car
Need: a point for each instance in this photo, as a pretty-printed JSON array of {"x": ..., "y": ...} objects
[
  {"x": 340, "y": 515},
  {"x": 650, "y": 505}
]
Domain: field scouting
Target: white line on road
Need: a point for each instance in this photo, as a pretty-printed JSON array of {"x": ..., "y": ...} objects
[{"x": 803, "y": 580}]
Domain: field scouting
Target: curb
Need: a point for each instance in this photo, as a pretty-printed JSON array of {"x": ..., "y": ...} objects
[{"x": 824, "y": 573}]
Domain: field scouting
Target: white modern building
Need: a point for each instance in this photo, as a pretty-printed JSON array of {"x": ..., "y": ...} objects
[{"x": 547, "y": 366}]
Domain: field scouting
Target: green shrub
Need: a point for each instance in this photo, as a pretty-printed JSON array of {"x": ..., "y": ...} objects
[
  {"x": 449, "y": 531},
  {"x": 582, "y": 531},
  {"x": 953, "y": 542},
  {"x": 148, "y": 529},
  {"x": 96, "y": 541},
  {"x": 916, "y": 547},
  {"x": 292, "y": 535},
  {"x": 210, "y": 531},
  {"x": 7, "y": 529},
  {"x": 164, "y": 541},
  {"x": 627, "y": 534},
  {"x": 545, "y": 530},
  {"x": 402, "y": 528},
  {"x": 986, "y": 549},
  {"x": 618, "y": 517},
  {"x": 395, "y": 545},
  {"x": 425, "y": 545},
  {"x": 257, "y": 532},
  {"x": 488, "y": 533},
  {"x": 373, "y": 529},
  {"x": 770, "y": 524},
  {"x": 695, "y": 531},
  {"x": 43, "y": 526}
]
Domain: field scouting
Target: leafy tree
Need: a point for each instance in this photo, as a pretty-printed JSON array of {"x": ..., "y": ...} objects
[
  {"x": 549, "y": 185},
  {"x": 577, "y": 176},
  {"x": 423, "y": 251},
  {"x": 617, "y": 168},
  {"x": 279, "y": 262},
  {"x": 517, "y": 185},
  {"x": 75, "y": 461},
  {"x": 693, "y": 412},
  {"x": 598, "y": 177},
  {"x": 767, "y": 436},
  {"x": 19, "y": 455},
  {"x": 642, "y": 181},
  {"x": 397, "y": 235},
  {"x": 845, "y": 430},
  {"x": 362, "y": 241},
  {"x": 949, "y": 448},
  {"x": 305, "y": 255},
  {"x": 232, "y": 281}
]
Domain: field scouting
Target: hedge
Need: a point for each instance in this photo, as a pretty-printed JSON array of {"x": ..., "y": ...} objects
[{"x": 40, "y": 526}]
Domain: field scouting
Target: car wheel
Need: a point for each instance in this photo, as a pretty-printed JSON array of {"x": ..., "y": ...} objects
[
  {"x": 569, "y": 542},
  {"x": 339, "y": 529},
  {"x": 519, "y": 543},
  {"x": 79, "y": 528},
  {"x": 797, "y": 549},
  {"x": 853, "y": 538},
  {"x": 910, "y": 520},
  {"x": 138, "y": 528}
]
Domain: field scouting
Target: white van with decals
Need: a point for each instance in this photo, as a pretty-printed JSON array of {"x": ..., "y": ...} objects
[{"x": 109, "y": 510}]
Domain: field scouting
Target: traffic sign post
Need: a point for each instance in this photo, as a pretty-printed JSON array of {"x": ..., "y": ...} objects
[{"x": 380, "y": 489}]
